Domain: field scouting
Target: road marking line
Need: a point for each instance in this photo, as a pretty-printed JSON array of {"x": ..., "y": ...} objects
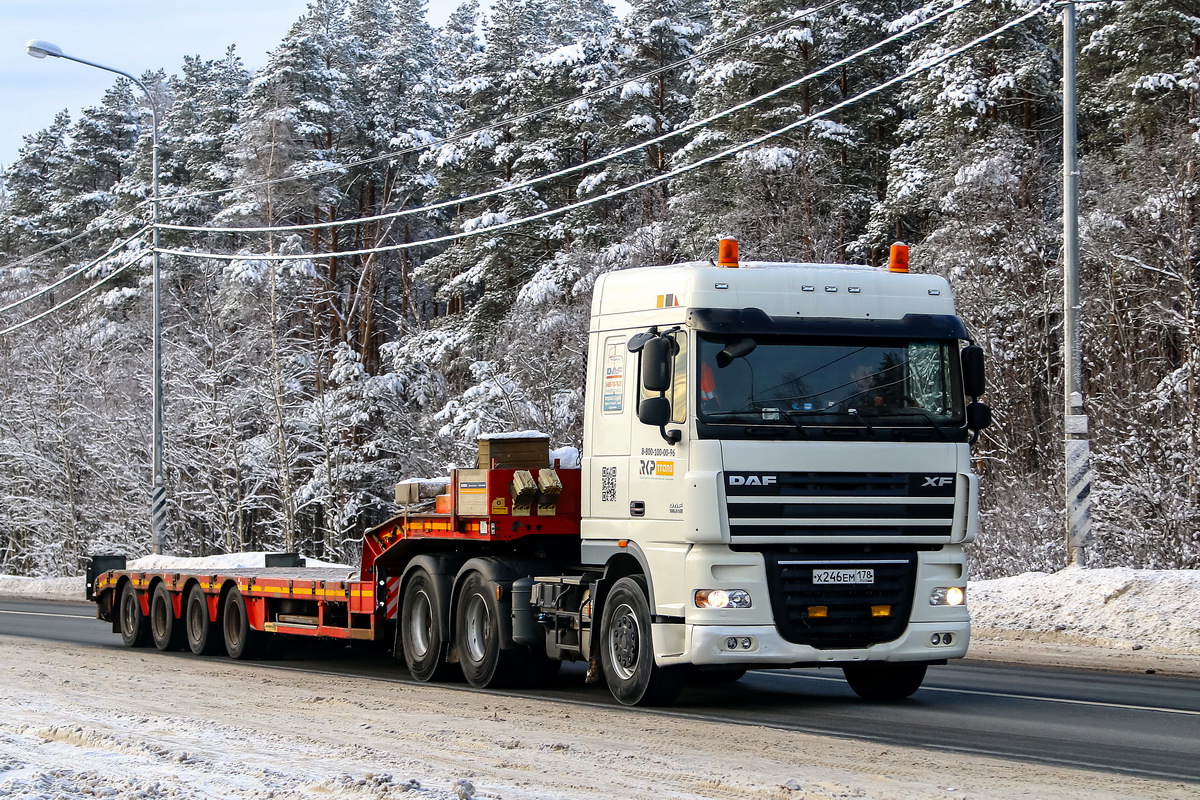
[
  {"x": 1063, "y": 700},
  {"x": 46, "y": 614}
]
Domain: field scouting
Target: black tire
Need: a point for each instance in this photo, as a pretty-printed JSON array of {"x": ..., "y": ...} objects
[
  {"x": 165, "y": 628},
  {"x": 627, "y": 652},
  {"x": 484, "y": 661},
  {"x": 135, "y": 627},
  {"x": 422, "y": 630},
  {"x": 241, "y": 641},
  {"x": 883, "y": 682},
  {"x": 203, "y": 636}
]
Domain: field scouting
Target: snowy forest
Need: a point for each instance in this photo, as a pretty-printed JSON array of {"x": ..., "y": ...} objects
[{"x": 302, "y": 386}]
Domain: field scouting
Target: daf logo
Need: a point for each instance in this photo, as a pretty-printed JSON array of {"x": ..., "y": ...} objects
[
  {"x": 752, "y": 480},
  {"x": 937, "y": 481}
]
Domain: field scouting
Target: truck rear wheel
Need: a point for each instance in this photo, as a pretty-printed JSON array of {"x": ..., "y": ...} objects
[
  {"x": 627, "y": 652},
  {"x": 135, "y": 628},
  {"x": 202, "y": 635},
  {"x": 485, "y": 664},
  {"x": 241, "y": 641},
  {"x": 882, "y": 681},
  {"x": 165, "y": 629},
  {"x": 422, "y": 632}
]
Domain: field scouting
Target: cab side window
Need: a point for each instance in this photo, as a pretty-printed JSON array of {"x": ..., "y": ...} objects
[{"x": 678, "y": 393}]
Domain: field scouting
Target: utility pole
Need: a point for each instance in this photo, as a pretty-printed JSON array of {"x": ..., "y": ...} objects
[
  {"x": 1077, "y": 450},
  {"x": 158, "y": 488}
]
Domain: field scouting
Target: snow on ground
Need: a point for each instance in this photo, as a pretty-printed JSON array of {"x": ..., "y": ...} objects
[
  {"x": 82, "y": 722},
  {"x": 86, "y": 722}
]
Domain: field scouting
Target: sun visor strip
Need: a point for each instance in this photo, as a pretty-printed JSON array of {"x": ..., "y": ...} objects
[{"x": 756, "y": 321}]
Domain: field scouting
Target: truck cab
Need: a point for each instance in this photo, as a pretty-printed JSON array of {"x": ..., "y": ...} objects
[{"x": 777, "y": 455}]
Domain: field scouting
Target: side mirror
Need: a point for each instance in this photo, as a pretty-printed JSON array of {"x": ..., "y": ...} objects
[
  {"x": 655, "y": 411},
  {"x": 657, "y": 357},
  {"x": 738, "y": 348},
  {"x": 979, "y": 416},
  {"x": 972, "y": 367}
]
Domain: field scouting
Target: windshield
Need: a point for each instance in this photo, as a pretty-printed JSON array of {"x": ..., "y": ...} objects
[{"x": 799, "y": 380}]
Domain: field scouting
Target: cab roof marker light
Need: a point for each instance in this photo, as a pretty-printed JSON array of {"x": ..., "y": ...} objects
[
  {"x": 727, "y": 252},
  {"x": 898, "y": 258}
]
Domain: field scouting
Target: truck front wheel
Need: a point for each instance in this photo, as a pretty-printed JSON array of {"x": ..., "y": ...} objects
[
  {"x": 477, "y": 633},
  {"x": 422, "y": 633},
  {"x": 881, "y": 681},
  {"x": 135, "y": 628},
  {"x": 626, "y": 650},
  {"x": 165, "y": 629}
]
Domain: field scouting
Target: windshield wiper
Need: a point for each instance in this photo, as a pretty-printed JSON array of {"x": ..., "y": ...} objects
[{"x": 854, "y": 415}]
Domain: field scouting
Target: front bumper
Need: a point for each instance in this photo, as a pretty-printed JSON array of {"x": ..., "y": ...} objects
[{"x": 710, "y": 645}]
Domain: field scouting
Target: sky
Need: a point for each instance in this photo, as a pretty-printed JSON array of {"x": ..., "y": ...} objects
[{"x": 131, "y": 35}]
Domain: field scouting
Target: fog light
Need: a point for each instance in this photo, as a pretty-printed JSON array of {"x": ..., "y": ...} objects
[
  {"x": 936, "y": 639},
  {"x": 948, "y": 596},
  {"x": 947, "y": 638},
  {"x": 743, "y": 643},
  {"x": 722, "y": 598}
]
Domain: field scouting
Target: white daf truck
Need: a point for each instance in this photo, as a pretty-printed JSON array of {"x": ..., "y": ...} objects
[
  {"x": 776, "y": 473},
  {"x": 779, "y": 456}
]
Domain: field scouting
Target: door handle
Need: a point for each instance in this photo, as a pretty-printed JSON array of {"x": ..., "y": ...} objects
[{"x": 637, "y": 508}]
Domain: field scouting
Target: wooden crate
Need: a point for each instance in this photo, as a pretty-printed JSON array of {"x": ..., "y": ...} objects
[{"x": 532, "y": 452}]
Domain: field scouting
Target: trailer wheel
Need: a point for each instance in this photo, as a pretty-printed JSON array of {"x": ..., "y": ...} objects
[
  {"x": 165, "y": 629},
  {"x": 241, "y": 641},
  {"x": 880, "y": 681},
  {"x": 477, "y": 633},
  {"x": 202, "y": 638},
  {"x": 422, "y": 633},
  {"x": 135, "y": 628},
  {"x": 626, "y": 651}
]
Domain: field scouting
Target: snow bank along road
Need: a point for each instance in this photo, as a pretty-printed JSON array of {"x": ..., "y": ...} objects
[{"x": 84, "y": 717}]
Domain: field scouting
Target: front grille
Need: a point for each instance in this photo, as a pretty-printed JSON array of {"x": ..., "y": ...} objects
[
  {"x": 791, "y": 505},
  {"x": 848, "y": 622}
]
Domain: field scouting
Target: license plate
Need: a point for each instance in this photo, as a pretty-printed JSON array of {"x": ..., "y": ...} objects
[{"x": 827, "y": 576}]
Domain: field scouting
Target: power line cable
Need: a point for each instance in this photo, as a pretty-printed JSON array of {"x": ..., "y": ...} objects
[
  {"x": 502, "y": 226},
  {"x": 594, "y": 162},
  {"x": 69, "y": 300},
  {"x": 528, "y": 114},
  {"x": 29, "y": 258},
  {"x": 74, "y": 274}
]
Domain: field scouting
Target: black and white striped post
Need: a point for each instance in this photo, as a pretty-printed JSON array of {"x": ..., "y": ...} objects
[{"x": 1077, "y": 447}]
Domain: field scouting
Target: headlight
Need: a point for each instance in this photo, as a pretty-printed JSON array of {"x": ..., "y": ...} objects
[
  {"x": 948, "y": 596},
  {"x": 722, "y": 598}
]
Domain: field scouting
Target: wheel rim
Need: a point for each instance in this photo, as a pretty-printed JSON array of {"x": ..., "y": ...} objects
[
  {"x": 624, "y": 642},
  {"x": 159, "y": 611},
  {"x": 195, "y": 620},
  {"x": 129, "y": 613},
  {"x": 478, "y": 628},
  {"x": 233, "y": 625},
  {"x": 420, "y": 624}
]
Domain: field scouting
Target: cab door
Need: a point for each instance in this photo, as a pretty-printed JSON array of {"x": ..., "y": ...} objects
[{"x": 657, "y": 466}]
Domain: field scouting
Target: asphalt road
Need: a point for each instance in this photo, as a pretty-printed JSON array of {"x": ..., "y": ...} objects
[{"x": 1142, "y": 725}]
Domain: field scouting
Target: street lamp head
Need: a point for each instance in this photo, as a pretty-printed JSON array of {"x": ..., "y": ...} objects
[{"x": 40, "y": 49}]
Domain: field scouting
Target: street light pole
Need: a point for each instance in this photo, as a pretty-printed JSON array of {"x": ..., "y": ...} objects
[
  {"x": 1077, "y": 447},
  {"x": 158, "y": 496}
]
